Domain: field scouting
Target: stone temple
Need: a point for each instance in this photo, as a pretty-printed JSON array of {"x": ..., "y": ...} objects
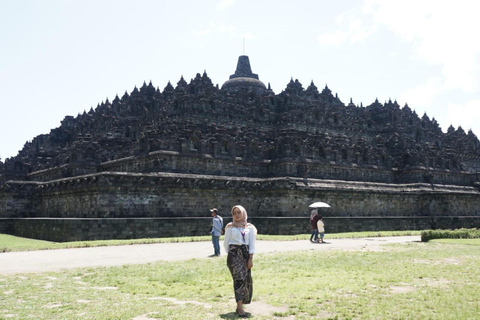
[{"x": 151, "y": 163}]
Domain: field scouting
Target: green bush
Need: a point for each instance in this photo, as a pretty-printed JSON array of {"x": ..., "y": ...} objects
[{"x": 428, "y": 235}]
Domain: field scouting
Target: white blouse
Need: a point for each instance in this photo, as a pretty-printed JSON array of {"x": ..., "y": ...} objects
[
  {"x": 239, "y": 236},
  {"x": 320, "y": 226}
]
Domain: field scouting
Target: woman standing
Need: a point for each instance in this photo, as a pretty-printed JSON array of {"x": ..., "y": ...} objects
[{"x": 239, "y": 242}]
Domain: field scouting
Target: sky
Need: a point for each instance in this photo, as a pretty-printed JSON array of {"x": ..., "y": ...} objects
[{"x": 62, "y": 57}]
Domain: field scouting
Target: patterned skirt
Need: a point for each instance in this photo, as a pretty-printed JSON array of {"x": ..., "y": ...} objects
[{"x": 237, "y": 260}]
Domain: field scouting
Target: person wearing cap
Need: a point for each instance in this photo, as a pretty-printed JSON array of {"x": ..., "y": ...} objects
[{"x": 216, "y": 231}]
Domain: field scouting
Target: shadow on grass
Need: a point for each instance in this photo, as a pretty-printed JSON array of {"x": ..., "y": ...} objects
[{"x": 233, "y": 315}]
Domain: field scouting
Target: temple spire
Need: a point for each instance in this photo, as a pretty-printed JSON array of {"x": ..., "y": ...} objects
[
  {"x": 244, "y": 69},
  {"x": 244, "y": 78}
]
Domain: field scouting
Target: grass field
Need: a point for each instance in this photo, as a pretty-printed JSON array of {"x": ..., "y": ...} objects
[{"x": 435, "y": 280}]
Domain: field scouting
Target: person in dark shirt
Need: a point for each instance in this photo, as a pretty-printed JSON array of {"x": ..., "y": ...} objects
[{"x": 313, "y": 223}]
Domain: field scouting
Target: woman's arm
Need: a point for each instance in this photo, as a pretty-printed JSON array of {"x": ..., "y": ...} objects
[
  {"x": 251, "y": 240},
  {"x": 226, "y": 239},
  {"x": 251, "y": 246}
]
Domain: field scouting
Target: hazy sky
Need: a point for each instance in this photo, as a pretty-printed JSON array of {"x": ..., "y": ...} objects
[{"x": 59, "y": 58}]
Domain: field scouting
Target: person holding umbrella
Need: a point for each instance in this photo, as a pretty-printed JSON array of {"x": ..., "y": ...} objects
[
  {"x": 316, "y": 221},
  {"x": 313, "y": 224}
]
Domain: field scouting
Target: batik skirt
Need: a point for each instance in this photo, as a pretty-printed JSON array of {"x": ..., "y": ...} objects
[{"x": 237, "y": 261}]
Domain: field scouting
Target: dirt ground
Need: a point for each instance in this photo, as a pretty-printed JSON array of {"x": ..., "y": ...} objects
[{"x": 56, "y": 260}]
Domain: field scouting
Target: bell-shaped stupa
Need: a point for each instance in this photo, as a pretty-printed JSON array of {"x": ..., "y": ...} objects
[{"x": 243, "y": 78}]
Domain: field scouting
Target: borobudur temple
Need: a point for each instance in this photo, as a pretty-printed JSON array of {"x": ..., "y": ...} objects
[{"x": 151, "y": 163}]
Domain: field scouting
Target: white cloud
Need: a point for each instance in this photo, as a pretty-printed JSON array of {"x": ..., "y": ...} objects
[
  {"x": 456, "y": 116},
  {"x": 351, "y": 29},
  {"x": 422, "y": 95},
  {"x": 231, "y": 30},
  {"x": 203, "y": 32},
  {"x": 215, "y": 28},
  {"x": 333, "y": 38},
  {"x": 249, "y": 36},
  {"x": 224, "y": 4},
  {"x": 440, "y": 32}
]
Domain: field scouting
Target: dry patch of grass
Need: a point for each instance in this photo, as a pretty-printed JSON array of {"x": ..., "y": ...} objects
[
  {"x": 401, "y": 289},
  {"x": 260, "y": 308},
  {"x": 454, "y": 261},
  {"x": 182, "y": 302}
]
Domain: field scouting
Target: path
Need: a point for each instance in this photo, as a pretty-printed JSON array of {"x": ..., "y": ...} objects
[{"x": 55, "y": 260}]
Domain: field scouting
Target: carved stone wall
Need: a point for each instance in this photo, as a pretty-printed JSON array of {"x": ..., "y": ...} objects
[
  {"x": 171, "y": 161},
  {"x": 123, "y": 195},
  {"x": 298, "y": 126},
  {"x": 132, "y": 205},
  {"x": 155, "y": 154}
]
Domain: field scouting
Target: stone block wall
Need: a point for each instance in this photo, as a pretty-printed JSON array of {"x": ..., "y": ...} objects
[
  {"x": 62, "y": 230},
  {"x": 69, "y": 229},
  {"x": 6, "y": 226},
  {"x": 88, "y": 204},
  {"x": 18, "y": 199},
  {"x": 128, "y": 195}
]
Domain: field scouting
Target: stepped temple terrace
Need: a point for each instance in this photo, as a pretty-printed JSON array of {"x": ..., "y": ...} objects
[{"x": 152, "y": 162}]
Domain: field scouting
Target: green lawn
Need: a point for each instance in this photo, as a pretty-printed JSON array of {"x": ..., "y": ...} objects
[
  {"x": 12, "y": 243},
  {"x": 439, "y": 279}
]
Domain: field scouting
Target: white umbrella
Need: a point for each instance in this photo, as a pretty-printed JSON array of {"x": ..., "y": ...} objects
[{"x": 319, "y": 205}]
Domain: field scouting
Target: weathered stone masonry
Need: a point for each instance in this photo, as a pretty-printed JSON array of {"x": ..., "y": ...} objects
[
  {"x": 151, "y": 164},
  {"x": 131, "y": 205}
]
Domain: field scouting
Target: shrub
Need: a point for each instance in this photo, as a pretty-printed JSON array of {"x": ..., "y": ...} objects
[{"x": 428, "y": 235}]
